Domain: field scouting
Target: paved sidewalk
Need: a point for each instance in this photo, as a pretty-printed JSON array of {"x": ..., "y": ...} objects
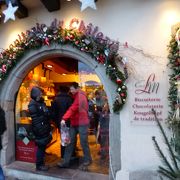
[{"x": 26, "y": 171}]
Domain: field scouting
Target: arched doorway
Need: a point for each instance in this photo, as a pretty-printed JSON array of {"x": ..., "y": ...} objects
[
  {"x": 51, "y": 76},
  {"x": 11, "y": 85}
]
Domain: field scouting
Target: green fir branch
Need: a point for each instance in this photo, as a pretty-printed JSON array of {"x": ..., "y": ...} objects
[
  {"x": 161, "y": 154},
  {"x": 166, "y": 175},
  {"x": 171, "y": 153},
  {"x": 169, "y": 174}
]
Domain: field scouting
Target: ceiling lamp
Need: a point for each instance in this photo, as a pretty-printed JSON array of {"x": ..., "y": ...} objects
[
  {"x": 43, "y": 79},
  {"x": 49, "y": 66},
  {"x": 36, "y": 77}
]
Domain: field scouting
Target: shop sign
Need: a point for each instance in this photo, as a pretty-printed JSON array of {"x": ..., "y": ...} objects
[
  {"x": 25, "y": 152},
  {"x": 147, "y": 96},
  {"x": 88, "y": 30},
  {"x": 25, "y": 146}
]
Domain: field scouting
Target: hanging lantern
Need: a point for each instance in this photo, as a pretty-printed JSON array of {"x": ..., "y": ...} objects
[
  {"x": 36, "y": 77},
  {"x": 43, "y": 79}
]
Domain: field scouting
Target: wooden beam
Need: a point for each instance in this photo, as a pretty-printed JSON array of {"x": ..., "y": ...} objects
[
  {"x": 51, "y": 5},
  {"x": 22, "y": 11},
  {"x": 2, "y": 2}
]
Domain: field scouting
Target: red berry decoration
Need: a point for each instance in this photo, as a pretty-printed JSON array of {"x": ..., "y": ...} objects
[
  {"x": 119, "y": 81},
  {"x": 67, "y": 38},
  {"x": 46, "y": 41},
  {"x": 122, "y": 94},
  {"x": 71, "y": 36},
  {"x": 77, "y": 42},
  {"x": 101, "y": 58},
  {"x": 4, "y": 68}
]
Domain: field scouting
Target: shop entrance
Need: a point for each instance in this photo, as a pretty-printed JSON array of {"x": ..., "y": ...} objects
[
  {"x": 8, "y": 96},
  {"x": 50, "y": 75}
]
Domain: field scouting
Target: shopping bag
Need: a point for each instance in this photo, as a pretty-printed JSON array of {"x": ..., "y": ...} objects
[{"x": 65, "y": 136}]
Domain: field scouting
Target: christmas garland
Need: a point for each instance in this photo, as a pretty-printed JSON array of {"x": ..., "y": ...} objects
[
  {"x": 174, "y": 90},
  {"x": 98, "y": 48}
]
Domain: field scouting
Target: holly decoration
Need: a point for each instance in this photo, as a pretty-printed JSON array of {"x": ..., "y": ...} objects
[{"x": 42, "y": 35}]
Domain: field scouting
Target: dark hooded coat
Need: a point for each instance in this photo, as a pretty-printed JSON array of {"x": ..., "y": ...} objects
[
  {"x": 60, "y": 105},
  {"x": 39, "y": 114}
]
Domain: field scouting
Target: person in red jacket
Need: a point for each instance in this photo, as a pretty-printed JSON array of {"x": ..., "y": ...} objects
[{"x": 78, "y": 115}]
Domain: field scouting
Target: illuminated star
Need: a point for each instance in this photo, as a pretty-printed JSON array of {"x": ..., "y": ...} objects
[
  {"x": 9, "y": 12},
  {"x": 87, "y": 3}
]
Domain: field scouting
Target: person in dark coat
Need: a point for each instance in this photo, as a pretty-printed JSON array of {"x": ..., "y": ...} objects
[
  {"x": 40, "y": 126},
  {"x": 99, "y": 103},
  {"x": 59, "y": 106},
  {"x": 104, "y": 132},
  {"x": 2, "y": 129}
]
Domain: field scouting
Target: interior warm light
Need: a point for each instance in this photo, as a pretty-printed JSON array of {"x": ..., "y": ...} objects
[
  {"x": 35, "y": 77},
  {"x": 43, "y": 79},
  {"x": 45, "y": 98},
  {"x": 69, "y": 0},
  {"x": 63, "y": 74},
  {"x": 49, "y": 65}
]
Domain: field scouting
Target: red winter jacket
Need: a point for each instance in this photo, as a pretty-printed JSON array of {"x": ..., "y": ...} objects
[{"x": 78, "y": 111}]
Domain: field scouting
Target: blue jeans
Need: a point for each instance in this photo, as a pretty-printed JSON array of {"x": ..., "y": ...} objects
[
  {"x": 1, "y": 174},
  {"x": 83, "y": 134}
]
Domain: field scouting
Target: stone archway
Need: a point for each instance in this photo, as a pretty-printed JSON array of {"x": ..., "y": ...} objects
[{"x": 10, "y": 87}]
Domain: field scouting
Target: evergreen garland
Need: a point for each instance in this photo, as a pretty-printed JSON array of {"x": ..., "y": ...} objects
[
  {"x": 174, "y": 63},
  {"x": 42, "y": 35}
]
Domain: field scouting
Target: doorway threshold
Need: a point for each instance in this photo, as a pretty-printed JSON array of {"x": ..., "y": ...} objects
[{"x": 26, "y": 171}]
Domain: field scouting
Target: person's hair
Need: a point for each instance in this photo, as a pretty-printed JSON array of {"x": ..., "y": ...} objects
[
  {"x": 63, "y": 89},
  {"x": 35, "y": 92},
  {"x": 75, "y": 85},
  {"x": 97, "y": 92}
]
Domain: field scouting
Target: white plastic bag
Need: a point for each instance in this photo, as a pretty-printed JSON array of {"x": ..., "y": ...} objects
[{"x": 65, "y": 136}]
